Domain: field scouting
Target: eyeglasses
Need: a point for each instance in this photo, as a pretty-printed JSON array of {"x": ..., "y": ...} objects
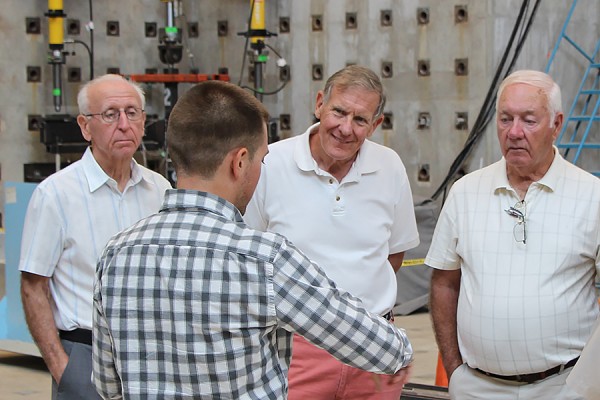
[
  {"x": 518, "y": 212},
  {"x": 112, "y": 115}
]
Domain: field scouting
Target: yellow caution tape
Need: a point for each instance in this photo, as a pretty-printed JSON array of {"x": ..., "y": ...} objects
[{"x": 413, "y": 262}]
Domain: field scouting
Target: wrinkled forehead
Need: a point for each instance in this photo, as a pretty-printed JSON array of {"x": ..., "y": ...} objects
[
  {"x": 114, "y": 93},
  {"x": 355, "y": 98},
  {"x": 523, "y": 98}
]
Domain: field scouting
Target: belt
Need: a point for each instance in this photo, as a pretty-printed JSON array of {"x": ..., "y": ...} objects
[
  {"x": 389, "y": 315},
  {"x": 534, "y": 377},
  {"x": 83, "y": 336}
]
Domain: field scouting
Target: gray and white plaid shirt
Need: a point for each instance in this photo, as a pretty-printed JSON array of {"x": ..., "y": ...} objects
[{"x": 191, "y": 303}]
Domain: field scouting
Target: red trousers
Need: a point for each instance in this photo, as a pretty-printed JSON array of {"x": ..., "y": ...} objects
[{"x": 316, "y": 375}]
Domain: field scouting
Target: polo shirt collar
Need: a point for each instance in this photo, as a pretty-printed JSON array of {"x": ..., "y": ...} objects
[
  {"x": 96, "y": 177},
  {"x": 362, "y": 165},
  {"x": 549, "y": 180}
]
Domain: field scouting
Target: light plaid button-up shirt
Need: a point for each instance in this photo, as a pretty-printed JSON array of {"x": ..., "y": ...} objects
[
  {"x": 70, "y": 217},
  {"x": 523, "y": 307},
  {"x": 191, "y": 303}
]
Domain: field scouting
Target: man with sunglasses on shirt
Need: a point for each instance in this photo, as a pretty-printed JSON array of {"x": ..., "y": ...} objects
[
  {"x": 71, "y": 216},
  {"x": 515, "y": 254}
]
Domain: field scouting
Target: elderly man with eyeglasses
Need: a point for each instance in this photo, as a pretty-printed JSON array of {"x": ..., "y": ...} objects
[
  {"x": 515, "y": 254},
  {"x": 69, "y": 220}
]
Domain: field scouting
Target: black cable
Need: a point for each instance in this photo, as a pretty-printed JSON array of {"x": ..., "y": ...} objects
[
  {"x": 89, "y": 54},
  {"x": 273, "y": 50},
  {"x": 491, "y": 94},
  {"x": 487, "y": 110},
  {"x": 279, "y": 89},
  {"x": 522, "y": 40},
  {"x": 493, "y": 88},
  {"x": 91, "y": 49},
  {"x": 246, "y": 44},
  {"x": 267, "y": 93},
  {"x": 489, "y": 113}
]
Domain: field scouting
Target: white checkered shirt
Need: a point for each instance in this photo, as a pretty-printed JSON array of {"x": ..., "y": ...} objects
[
  {"x": 191, "y": 303},
  {"x": 523, "y": 307}
]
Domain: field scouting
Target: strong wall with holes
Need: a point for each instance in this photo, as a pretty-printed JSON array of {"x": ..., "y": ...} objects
[{"x": 437, "y": 60}]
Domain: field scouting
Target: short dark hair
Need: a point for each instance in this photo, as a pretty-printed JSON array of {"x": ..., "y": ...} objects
[{"x": 208, "y": 121}]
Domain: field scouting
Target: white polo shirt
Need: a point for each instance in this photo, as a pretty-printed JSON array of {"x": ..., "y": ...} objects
[
  {"x": 522, "y": 308},
  {"x": 348, "y": 228},
  {"x": 70, "y": 217}
]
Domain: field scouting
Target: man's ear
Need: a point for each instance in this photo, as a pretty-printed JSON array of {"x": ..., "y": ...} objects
[
  {"x": 319, "y": 104},
  {"x": 82, "y": 121},
  {"x": 558, "y": 122},
  {"x": 376, "y": 123},
  {"x": 239, "y": 161}
]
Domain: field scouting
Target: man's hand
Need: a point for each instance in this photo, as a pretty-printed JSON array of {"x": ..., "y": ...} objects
[
  {"x": 402, "y": 376},
  {"x": 59, "y": 368}
]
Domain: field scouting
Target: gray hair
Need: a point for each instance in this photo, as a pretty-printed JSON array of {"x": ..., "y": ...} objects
[
  {"x": 356, "y": 76},
  {"x": 539, "y": 80},
  {"x": 83, "y": 100}
]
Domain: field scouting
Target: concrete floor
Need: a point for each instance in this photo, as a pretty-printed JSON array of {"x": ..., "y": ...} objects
[
  {"x": 26, "y": 377},
  {"x": 23, "y": 377}
]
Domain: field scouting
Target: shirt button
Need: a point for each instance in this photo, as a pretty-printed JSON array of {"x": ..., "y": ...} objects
[
  {"x": 337, "y": 198},
  {"x": 331, "y": 181}
]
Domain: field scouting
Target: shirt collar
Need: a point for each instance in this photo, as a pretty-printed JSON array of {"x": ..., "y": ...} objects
[
  {"x": 193, "y": 200},
  {"x": 552, "y": 176},
  {"x": 549, "y": 180},
  {"x": 362, "y": 165},
  {"x": 96, "y": 176}
]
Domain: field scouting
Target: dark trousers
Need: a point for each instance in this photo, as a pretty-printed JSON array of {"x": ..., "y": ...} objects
[{"x": 76, "y": 382}]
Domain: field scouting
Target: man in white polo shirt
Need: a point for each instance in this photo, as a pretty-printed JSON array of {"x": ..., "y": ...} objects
[
  {"x": 516, "y": 251},
  {"x": 346, "y": 202},
  {"x": 71, "y": 216}
]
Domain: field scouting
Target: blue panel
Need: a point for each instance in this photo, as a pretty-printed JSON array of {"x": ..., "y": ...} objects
[
  {"x": 12, "y": 318},
  {"x": 3, "y": 318}
]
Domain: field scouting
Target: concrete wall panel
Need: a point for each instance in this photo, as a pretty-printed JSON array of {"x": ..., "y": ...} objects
[{"x": 393, "y": 46}]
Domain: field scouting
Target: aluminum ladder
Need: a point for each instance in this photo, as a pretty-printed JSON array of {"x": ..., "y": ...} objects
[{"x": 574, "y": 136}]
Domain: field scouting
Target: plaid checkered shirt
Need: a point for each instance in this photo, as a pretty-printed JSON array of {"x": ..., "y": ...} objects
[{"x": 191, "y": 303}]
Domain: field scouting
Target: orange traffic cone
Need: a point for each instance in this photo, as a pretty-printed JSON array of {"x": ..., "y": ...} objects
[{"x": 441, "y": 379}]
